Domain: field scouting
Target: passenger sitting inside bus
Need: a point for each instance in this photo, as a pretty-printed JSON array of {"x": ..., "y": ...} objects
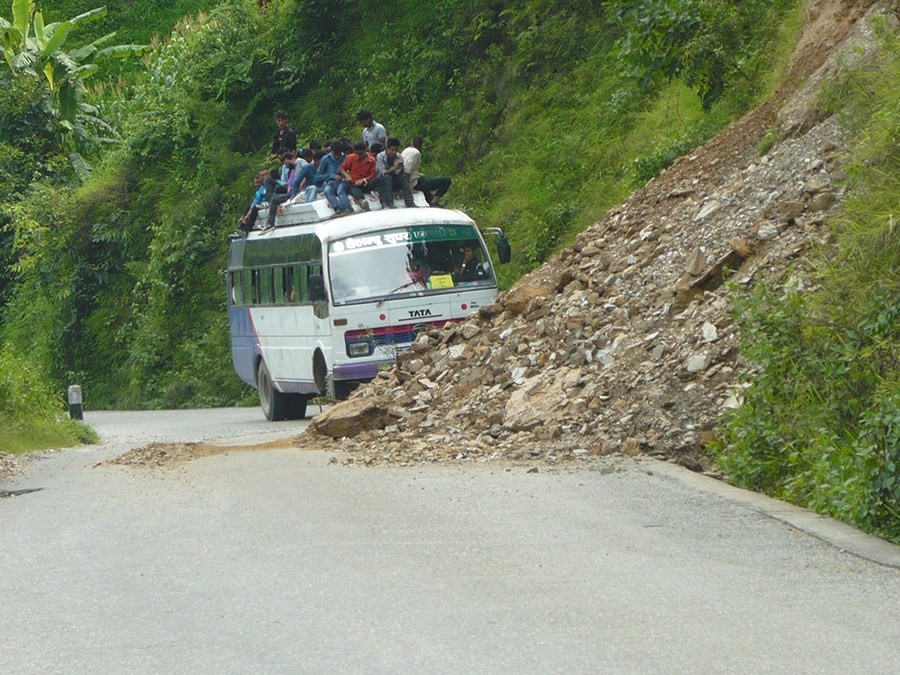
[{"x": 358, "y": 171}]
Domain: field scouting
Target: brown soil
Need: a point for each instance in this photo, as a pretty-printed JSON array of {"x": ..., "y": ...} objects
[{"x": 169, "y": 454}]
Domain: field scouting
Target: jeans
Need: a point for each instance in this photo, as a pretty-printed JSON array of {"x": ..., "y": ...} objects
[
  {"x": 331, "y": 189},
  {"x": 438, "y": 186},
  {"x": 388, "y": 184},
  {"x": 343, "y": 197},
  {"x": 359, "y": 192},
  {"x": 273, "y": 187},
  {"x": 276, "y": 201}
]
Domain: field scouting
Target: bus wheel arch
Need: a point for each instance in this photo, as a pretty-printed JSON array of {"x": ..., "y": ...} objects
[{"x": 320, "y": 372}]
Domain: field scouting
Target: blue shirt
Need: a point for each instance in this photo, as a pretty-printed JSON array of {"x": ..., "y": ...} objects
[
  {"x": 308, "y": 172},
  {"x": 259, "y": 197},
  {"x": 329, "y": 168}
]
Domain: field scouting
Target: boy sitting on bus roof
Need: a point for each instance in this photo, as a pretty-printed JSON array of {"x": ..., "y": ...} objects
[
  {"x": 245, "y": 224},
  {"x": 391, "y": 177},
  {"x": 304, "y": 179},
  {"x": 359, "y": 173},
  {"x": 329, "y": 173}
]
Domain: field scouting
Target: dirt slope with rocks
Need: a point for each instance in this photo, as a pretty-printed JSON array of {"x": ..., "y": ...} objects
[{"x": 625, "y": 341}]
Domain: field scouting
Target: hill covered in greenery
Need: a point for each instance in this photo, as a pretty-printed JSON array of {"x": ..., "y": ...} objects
[{"x": 544, "y": 113}]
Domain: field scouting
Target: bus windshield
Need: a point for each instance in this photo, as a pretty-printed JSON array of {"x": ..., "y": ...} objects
[{"x": 418, "y": 260}]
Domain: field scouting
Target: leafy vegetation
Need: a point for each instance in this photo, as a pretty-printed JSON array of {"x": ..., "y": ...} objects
[
  {"x": 34, "y": 50},
  {"x": 820, "y": 424},
  {"x": 31, "y": 414}
]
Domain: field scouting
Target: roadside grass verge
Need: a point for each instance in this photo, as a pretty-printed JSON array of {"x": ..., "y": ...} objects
[
  {"x": 31, "y": 415},
  {"x": 820, "y": 423}
]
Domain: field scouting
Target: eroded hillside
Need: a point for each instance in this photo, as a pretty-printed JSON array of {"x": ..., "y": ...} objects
[{"x": 625, "y": 341}]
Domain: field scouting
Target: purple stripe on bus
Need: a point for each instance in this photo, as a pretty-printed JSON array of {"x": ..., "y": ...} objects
[{"x": 358, "y": 371}]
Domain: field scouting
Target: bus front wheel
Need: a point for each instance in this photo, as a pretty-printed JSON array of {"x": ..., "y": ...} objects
[{"x": 274, "y": 404}]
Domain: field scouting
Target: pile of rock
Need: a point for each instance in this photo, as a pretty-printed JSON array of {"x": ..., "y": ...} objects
[{"x": 625, "y": 341}]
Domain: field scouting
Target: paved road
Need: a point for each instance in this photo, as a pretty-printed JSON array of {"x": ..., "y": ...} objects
[{"x": 278, "y": 561}]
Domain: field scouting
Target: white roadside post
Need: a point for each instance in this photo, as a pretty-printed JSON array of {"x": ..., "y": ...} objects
[{"x": 75, "y": 411}]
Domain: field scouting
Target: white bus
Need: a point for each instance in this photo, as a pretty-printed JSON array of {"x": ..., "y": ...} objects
[{"x": 321, "y": 303}]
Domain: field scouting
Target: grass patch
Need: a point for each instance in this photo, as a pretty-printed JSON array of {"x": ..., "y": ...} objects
[
  {"x": 790, "y": 28},
  {"x": 58, "y": 433},
  {"x": 32, "y": 414}
]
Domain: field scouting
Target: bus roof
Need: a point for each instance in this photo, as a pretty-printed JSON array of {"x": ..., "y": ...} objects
[{"x": 367, "y": 221}]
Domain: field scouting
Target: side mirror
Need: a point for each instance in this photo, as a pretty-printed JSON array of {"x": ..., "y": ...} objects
[
  {"x": 317, "y": 288},
  {"x": 504, "y": 250}
]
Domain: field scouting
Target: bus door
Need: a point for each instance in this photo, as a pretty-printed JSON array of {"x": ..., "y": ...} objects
[{"x": 298, "y": 326}]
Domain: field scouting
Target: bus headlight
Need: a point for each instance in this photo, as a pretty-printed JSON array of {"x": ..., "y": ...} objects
[{"x": 359, "y": 349}]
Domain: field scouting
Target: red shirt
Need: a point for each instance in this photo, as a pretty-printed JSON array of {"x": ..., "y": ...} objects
[{"x": 359, "y": 168}]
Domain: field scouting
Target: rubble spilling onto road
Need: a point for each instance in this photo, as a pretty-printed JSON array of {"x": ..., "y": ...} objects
[{"x": 624, "y": 342}]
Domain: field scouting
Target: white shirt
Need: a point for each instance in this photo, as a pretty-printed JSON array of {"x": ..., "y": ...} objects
[
  {"x": 412, "y": 159},
  {"x": 375, "y": 134}
]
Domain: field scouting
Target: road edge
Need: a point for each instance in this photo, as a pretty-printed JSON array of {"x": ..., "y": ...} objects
[{"x": 840, "y": 535}]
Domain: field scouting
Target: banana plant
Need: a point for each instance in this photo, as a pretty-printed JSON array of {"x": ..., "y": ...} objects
[{"x": 32, "y": 48}]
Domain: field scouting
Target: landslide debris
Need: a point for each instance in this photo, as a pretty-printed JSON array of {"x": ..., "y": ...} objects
[
  {"x": 9, "y": 465},
  {"x": 172, "y": 454},
  {"x": 624, "y": 343}
]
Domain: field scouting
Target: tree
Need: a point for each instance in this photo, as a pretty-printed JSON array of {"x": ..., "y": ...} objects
[
  {"x": 32, "y": 49},
  {"x": 700, "y": 41}
]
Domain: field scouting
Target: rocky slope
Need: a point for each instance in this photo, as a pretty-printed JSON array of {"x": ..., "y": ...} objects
[{"x": 625, "y": 341}]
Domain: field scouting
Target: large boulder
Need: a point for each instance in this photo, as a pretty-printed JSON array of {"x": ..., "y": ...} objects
[{"x": 352, "y": 417}]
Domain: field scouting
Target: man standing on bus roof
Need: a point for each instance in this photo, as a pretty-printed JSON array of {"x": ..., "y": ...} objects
[
  {"x": 373, "y": 132},
  {"x": 432, "y": 188},
  {"x": 284, "y": 138}
]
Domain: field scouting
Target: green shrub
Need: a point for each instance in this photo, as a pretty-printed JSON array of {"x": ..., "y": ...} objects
[
  {"x": 820, "y": 424},
  {"x": 32, "y": 415}
]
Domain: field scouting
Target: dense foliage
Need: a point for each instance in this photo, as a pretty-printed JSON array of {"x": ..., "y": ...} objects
[
  {"x": 820, "y": 425},
  {"x": 534, "y": 108}
]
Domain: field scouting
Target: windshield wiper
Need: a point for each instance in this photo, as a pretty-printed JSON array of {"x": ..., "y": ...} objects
[{"x": 396, "y": 290}]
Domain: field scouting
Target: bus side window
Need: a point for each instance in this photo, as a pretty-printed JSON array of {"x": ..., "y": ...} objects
[
  {"x": 237, "y": 289},
  {"x": 301, "y": 294},
  {"x": 280, "y": 297},
  {"x": 266, "y": 289},
  {"x": 253, "y": 295},
  {"x": 310, "y": 269},
  {"x": 287, "y": 285}
]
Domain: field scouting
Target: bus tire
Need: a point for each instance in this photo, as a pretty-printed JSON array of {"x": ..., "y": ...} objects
[
  {"x": 274, "y": 404},
  {"x": 297, "y": 406}
]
